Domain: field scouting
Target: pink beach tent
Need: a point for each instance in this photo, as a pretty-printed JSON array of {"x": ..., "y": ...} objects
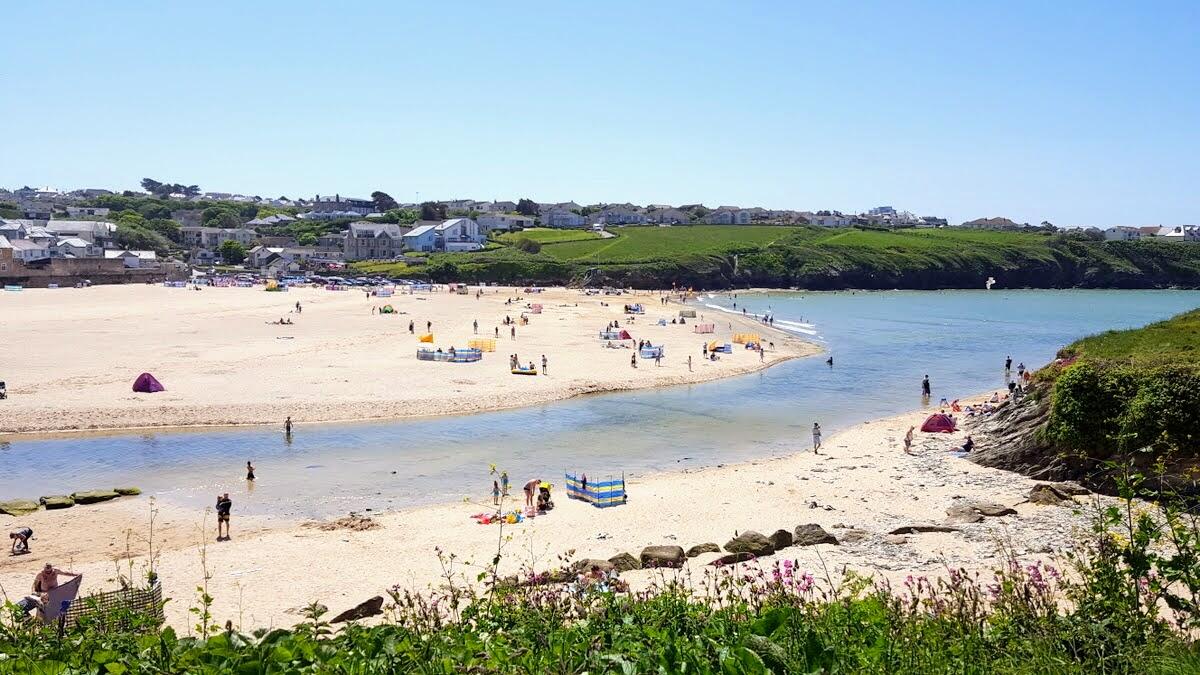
[
  {"x": 146, "y": 384},
  {"x": 938, "y": 424}
]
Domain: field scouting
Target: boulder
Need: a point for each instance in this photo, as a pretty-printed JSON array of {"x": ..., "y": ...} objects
[
  {"x": 812, "y": 534},
  {"x": 623, "y": 562},
  {"x": 731, "y": 558},
  {"x": 1048, "y": 495},
  {"x": 18, "y": 507},
  {"x": 896, "y": 539},
  {"x": 750, "y": 542},
  {"x": 781, "y": 539},
  {"x": 587, "y": 564},
  {"x": 973, "y": 511},
  {"x": 662, "y": 556},
  {"x": 1070, "y": 487},
  {"x": 127, "y": 491},
  {"x": 703, "y": 548},
  {"x": 94, "y": 496},
  {"x": 917, "y": 529},
  {"x": 854, "y": 536},
  {"x": 52, "y": 502},
  {"x": 362, "y": 610}
]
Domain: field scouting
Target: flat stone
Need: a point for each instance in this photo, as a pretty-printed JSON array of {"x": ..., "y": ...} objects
[
  {"x": 623, "y": 562},
  {"x": 52, "y": 502},
  {"x": 18, "y": 507},
  {"x": 896, "y": 539},
  {"x": 703, "y": 548},
  {"x": 917, "y": 529},
  {"x": 731, "y": 558},
  {"x": 127, "y": 491},
  {"x": 812, "y": 534},
  {"x": 853, "y": 536},
  {"x": 94, "y": 496}
]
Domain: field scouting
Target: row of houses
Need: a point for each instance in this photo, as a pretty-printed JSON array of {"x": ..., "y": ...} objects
[
  {"x": 365, "y": 240},
  {"x": 1172, "y": 233},
  {"x": 34, "y": 241}
]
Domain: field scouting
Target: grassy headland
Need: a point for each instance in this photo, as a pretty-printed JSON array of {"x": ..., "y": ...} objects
[{"x": 720, "y": 256}]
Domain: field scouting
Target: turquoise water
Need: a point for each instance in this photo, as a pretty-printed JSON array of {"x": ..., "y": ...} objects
[{"x": 882, "y": 344}]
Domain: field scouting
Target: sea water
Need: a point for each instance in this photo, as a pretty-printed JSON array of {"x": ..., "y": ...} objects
[{"x": 882, "y": 345}]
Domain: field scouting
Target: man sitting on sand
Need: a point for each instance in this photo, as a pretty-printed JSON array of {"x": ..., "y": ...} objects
[{"x": 20, "y": 539}]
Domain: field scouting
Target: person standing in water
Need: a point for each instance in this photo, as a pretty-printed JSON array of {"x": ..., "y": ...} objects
[
  {"x": 249, "y": 471},
  {"x": 1008, "y": 363},
  {"x": 816, "y": 438},
  {"x": 926, "y": 389},
  {"x": 287, "y": 426}
]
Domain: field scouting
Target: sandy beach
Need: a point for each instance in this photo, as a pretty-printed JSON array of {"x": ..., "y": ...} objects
[
  {"x": 861, "y": 488},
  {"x": 223, "y": 363}
]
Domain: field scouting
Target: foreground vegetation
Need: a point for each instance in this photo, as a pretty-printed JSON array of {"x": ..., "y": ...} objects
[
  {"x": 717, "y": 256},
  {"x": 1127, "y": 601}
]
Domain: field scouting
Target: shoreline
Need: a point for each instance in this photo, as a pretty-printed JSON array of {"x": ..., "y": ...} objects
[
  {"x": 861, "y": 487},
  {"x": 267, "y": 387}
]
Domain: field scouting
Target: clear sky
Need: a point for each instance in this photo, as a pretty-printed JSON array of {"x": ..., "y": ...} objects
[{"x": 1079, "y": 113}]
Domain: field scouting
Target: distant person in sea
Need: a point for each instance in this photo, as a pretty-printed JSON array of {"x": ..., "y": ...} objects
[
  {"x": 816, "y": 438},
  {"x": 829, "y": 361},
  {"x": 1021, "y": 369},
  {"x": 908, "y": 440},
  {"x": 287, "y": 426},
  {"x": 495, "y": 493},
  {"x": 249, "y": 470},
  {"x": 224, "y": 506},
  {"x": 1007, "y": 363},
  {"x": 20, "y": 540},
  {"x": 926, "y": 389}
]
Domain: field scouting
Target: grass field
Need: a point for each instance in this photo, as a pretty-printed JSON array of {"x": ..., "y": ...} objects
[
  {"x": 544, "y": 235},
  {"x": 644, "y": 244},
  {"x": 1175, "y": 341}
]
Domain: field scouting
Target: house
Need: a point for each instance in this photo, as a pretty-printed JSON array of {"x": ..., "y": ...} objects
[
  {"x": 828, "y": 219},
  {"x": 456, "y": 234},
  {"x": 334, "y": 241},
  {"x": 728, "y": 216},
  {"x": 12, "y": 229},
  {"x": 338, "y": 203},
  {"x": 373, "y": 241},
  {"x": 496, "y": 207},
  {"x": 202, "y": 256},
  {"x": 133, "y": 259},
  {"x": 1180, "y": 234},
  {"x": 92, "y": 231},
  {"x": 503, "y": 222},
  {"x": 27, "y": 251},
  {"x": 558, "y": 217},
  {"x": 667, "y": 214},
  {"x": 261, "y": 256},
  {"x": 74, "y": 247},
  {"x": 87, "y": 211},
  {"x": 619, "y": 215},
  {"x": 1122, "y": 233}
]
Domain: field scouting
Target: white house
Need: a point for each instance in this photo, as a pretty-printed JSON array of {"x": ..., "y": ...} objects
[
  {"x": 421, "y": 238},
  {"x": 728, "y": 217},
  {"x": 557, "y": 217},
  {"x": 456, "y": 234},
  {"x": 89, "y": 211},
  {"x": 1122, "y": 233},
  {"x": 27, "y": 251},
  {"x": 91, "y": 231},
  {"x": 503, "y": 222},
  {"x": 833, "y": 219},
  {"x": 1180, "y": 234},
  {"x": 74, "y": 247},
  {"x": 133, "y": 259}
]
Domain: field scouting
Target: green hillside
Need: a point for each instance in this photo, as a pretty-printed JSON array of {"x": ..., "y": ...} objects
[{"x": 725, "y": 256}]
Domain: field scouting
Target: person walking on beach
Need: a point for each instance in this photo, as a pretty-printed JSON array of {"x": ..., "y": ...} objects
[
  {"x": 658, "y": 358},
  {"x": 908, "y": 440},
  {"x": 704, "y": 350},
  {"x": 925, "y": 387},
  {"x": 761, "y": 355},
  {"x": 428, "y": 326},
  {"x": 495, "y": 493},
  {"x": 689, "y": 363},
  {"x": 249, "y": 471},
  {"x": 497, "y": 331},
  {"x": 504, "y": 483},
  {"x": 475, "y": 325},
  {"x": 410, "y": 327},
  {"x": 224, "y": 506},
  {"x": 544, "y": 362},
  {"x": 20, "y": 539},
  {"x": 513, "y": 332},
  {"x": 816, "y": 438},
  {"x": 287, "y": 426},
  {"x": 633, "y": 360}
]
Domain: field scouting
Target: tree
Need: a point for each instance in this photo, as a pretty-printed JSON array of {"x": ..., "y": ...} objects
[
  {"x": 527, "y": 207},
  {"x": 220, "y": 216},
  {"x": 191, "y": 190},
  {"x": 433, "y": 211},
  {"x": 307, "y": 239},
  {"x": 384, "y": 201},
  {"x": 152, "y": 186},
  {"x": 232, "y": 251},
  {"x": 166, "y": 227},
  {"x": 528, "y": 245}
]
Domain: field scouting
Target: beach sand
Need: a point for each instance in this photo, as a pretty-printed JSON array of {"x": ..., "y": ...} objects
[
  {"x": 223, "y": 364},
  {"x": 861, "y": 488}
]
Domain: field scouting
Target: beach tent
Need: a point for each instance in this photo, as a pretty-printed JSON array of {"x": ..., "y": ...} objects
[
  {"x": 387, "y": 309},
  {"x": 625, "y": 335},
  {"x": 146, "y": 384},
  {"x": 939, "y": 423}
]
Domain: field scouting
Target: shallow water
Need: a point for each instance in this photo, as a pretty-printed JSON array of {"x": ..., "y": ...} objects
[{"x": 882, "y": 344}]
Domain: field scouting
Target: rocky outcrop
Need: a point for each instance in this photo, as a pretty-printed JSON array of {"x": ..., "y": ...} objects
[
  {"x": 1049, "y": 495},
  {"x": 918, "y": 529},
  {"x": 52, "y": 502},
  {"x": 663, "y": 556},
  {"x": 781, "y": 539},
  {"x": 812, "y": 534},
  {"x": 127, "y": 491},
  {"x": 973, "y": 511},
  {"x": 703, "y": 548},
  {"x": 623, "y": 562},
  {"x": 362, "y": 610},
  {"x": 750, "y": 542}
]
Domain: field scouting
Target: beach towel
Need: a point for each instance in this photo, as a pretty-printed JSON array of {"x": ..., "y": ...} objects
[
  {"x": 147, "y": 384},
  {"x": 938, "y": 424},
  {"x": 59, "y": 599}
]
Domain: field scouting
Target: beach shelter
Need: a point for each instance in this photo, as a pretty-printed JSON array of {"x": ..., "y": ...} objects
[
  {"x": 387, "y": 309},
  {"x": 625, "y": 335},
  {"x": 146, "y": 384},
  {"x": 938, "y": 424}
]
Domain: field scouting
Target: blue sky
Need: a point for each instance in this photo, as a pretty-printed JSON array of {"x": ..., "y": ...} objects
[{"x": 1080, "y": 113}]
